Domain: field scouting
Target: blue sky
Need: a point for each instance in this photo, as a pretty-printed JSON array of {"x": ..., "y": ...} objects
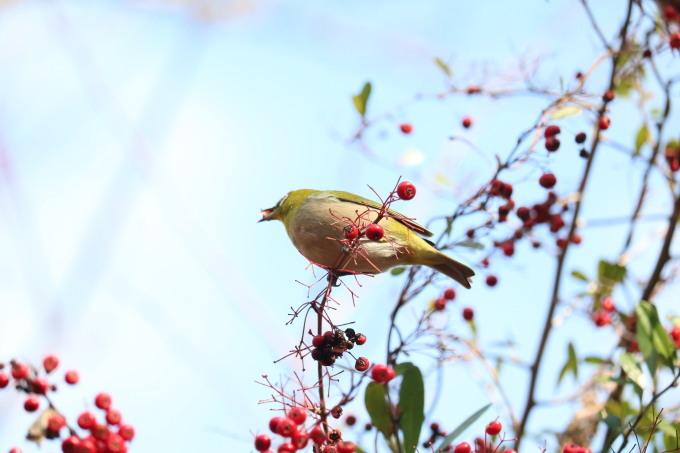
[{"x": 139, "y": 143}]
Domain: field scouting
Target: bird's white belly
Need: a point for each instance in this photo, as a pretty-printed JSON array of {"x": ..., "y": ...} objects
[{"x": 317, "y": 231}]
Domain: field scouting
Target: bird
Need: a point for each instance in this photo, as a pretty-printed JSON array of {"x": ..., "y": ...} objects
[{"x": 319, "y": 225}]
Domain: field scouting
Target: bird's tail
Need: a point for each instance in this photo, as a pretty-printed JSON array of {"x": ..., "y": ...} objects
[{"x": 454, "y": 269}]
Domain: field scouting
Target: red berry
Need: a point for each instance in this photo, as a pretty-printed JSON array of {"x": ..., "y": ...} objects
[
  {"x": 508, "y": 248},
  {"x": 494, "y": 428},
  {"x": 552, "y": 144},
  {"x": 262, "y": 442},
  {"x": 608, "y": 96},
  {"x": 297, "y": 414},
  {"x": 462, "y": 447},
  {"x": 604, "y": 122},
  {"x": 16, "y": 450},
  {"x": 56, "y": 422},
  {"x": 675, "y": 335},
  {"x": 113, "y": 417},
  {"x": 571, "y": 448},
  {"x": 674, "y": 40},
  {"x": 274, "y": 423},
  {"x": 317, "y": 341},
  {"x": 4, "y": 380},
  {"x": 467, "y": 121},
  {"x": 510, "y": 451},
  {"x": 70, "y": 444},
  {"x": 406, "y": 128},
  {"x": 374, "y": 232},
  {"x": 670, "y": 12},
  {"x": 491, "y": 280},
  {"x": 115, "y": 443},
  {"x": 351, "y": 420},
  {"x": 127, "y": 432},
  {"x": 362, "y": 364},
  {"x": 382, "y": 373},
  {"x": 40, "y": 386},
  {"x": 439, "y": 304},
  {"x": 103, "y": 401},
  {"x": 31, "y": 404},
  {"x": 468, "y": 313},
  {"x": 285, "y": 427},
  {"x": 89, "y": 445},
  {"x": 317, "y": 435},
  {"x": 547, "y": 180},
  {"x": 20, "y": 370},
  {"x": 406, "y": 190},
  {"x": 473, "y": 89},
  {"x": 608, "y": 304},
  {"x": 72, "y": 377},
  {"x": 360, "y": 339},
  {"x": 50, "y": 362},
  {"x": 100, "y": 432},
  {"x": 580, "y": 137},
  {"x": 300, "y": 439},
  {"x": 523, "y": 213},
  {"x": 551, "y": 131},
  {"x": 449, "y": 294},
  {"x": 601, "y": 319},
  {"x": 346, "y": 447},
  {"x": 350, "y": 232},
  {"x": 286, "y": 448},
  {"x": 87, "y": 420},
  {"x": 562, "y": 243}
]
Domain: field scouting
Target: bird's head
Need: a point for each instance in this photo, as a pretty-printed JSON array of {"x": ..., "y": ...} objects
[{"x": 284, "y": 209}]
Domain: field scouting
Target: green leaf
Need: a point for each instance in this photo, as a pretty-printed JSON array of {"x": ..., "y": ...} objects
[
  {"x": 594, "y": 360},
  {"x": 470, "y": 244},
  {"x": 398, "y": 270},
  {"x": 375, "y": 400},
  {"x": 580, "y": 276},
  {"x": 462, "y": 427},
  {"x": 652, "y": 338},
  {"x": 611, "y": 272},
  {"x": 361, "y": 99},
  {"x": 564, "y": 112},
  {"x": 570, "y": 365},
  {"x": 401, "y": 368},
  {"x": 412, "y": 406},
  {"x": 360, "y": 450},
  {"x": 443, "y": 66},
  {"x": 641, "y": 138},
  {"x": 631, "y": 367}
]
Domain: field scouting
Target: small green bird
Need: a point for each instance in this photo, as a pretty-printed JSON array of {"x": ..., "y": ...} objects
[{"x": 318, "y": 221}]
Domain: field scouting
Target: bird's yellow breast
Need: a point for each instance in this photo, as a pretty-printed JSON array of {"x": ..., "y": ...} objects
[{"x": 316, "y": 228}]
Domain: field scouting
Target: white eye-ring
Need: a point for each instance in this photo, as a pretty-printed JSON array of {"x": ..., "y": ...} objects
[{"x": 281, "y": 200}]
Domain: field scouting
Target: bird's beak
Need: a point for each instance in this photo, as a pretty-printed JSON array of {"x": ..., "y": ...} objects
[{"x": 268, "y": 214}]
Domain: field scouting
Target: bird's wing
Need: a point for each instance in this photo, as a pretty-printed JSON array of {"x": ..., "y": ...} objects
[{"x": 361, "y": 201}]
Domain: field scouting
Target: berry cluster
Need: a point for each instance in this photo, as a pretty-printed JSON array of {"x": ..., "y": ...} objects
[
  {"x": 439, "y": 304},
  {"x": 108, "y": 435},
  {"x": 373, "y": 231},
  {"x": 672, "y": 15},
  {"x": 330, "y": 346},
  {"x": 296, "y": 437},
  {"x": 492, "y": 429},
  {"x": 435, "y": 433},
  {"x": 602, "y": 317}
]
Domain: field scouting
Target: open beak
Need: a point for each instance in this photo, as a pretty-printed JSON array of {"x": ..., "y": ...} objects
[{"x": 268, "y": 214}]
